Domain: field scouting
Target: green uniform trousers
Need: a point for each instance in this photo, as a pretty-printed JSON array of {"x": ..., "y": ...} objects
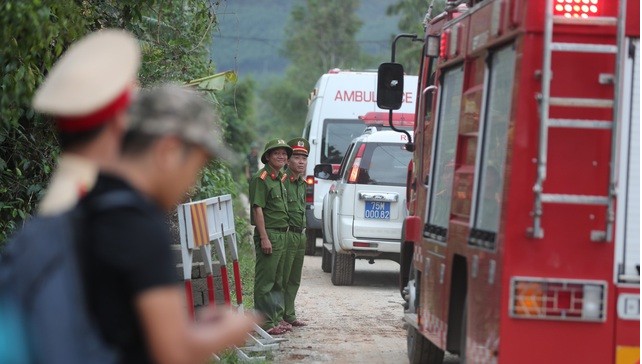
[
  {"x": 292, "y": 267},
  {"x": 268, "y": 271}
]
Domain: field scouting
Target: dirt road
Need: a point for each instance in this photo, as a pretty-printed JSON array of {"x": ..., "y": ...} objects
[{"x": 351, "y": 324}]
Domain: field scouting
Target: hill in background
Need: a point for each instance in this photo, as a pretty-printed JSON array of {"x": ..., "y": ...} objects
[{"x": 250, "y": 35}]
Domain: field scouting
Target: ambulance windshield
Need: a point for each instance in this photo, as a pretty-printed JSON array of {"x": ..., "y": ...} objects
[{"x": 337, "y": 135}]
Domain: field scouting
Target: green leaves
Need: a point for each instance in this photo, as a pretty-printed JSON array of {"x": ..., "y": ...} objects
[
  {"x": 321, "y": 35},
  {"x": 175, "y": 37},
  {"x": 216, "y": 179},
  {"x": 412, "y": 14},
  {"x": 33, "y": 35},
  {"x": 236, "y": 108},
  {"x": 25, "y": 164},
  {"x": 30, "y": 39}
]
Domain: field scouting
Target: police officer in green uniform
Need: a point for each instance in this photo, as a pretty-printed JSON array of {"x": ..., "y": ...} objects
[
  {"x": 295, "y": 247},
  {"x": 270, "y": 218}
]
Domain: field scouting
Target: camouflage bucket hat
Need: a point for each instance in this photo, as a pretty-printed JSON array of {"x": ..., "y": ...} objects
[
  {"x": 274, "y": 144},
  {"x": 175, "y": 110}
]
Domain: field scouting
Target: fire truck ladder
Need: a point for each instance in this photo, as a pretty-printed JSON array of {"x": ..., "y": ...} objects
[{"x": 546, "y": 101}]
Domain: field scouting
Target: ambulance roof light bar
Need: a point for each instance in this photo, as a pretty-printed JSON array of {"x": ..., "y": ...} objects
[{"x": 374, "y": 118}]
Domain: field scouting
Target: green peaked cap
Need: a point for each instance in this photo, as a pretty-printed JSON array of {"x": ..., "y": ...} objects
[
  {"x": 274, "y": 144},
  {"x": 299, "y": 146}
]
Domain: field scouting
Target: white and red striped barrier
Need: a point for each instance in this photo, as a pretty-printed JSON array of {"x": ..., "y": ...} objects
[
  {"x": 211, "y": 222},
  {"x": 202, "y": 224}
]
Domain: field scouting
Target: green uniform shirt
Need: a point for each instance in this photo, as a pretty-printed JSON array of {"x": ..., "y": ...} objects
[
  {"x": 268, "y": 192},
  {"x": 296, "y": 200}
]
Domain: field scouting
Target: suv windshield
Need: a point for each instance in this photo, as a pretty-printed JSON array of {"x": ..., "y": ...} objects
[
  {"x": 337, "y": 135},
  {"x": 382, "y": 164}
]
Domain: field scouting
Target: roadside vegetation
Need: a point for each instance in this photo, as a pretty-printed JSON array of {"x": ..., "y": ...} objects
[{"x": 175, "y": 38}]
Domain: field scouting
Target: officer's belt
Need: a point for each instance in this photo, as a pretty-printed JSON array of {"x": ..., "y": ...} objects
[
  {"x": 283, "y": 229},
  {"x": 286, "y": 229}
]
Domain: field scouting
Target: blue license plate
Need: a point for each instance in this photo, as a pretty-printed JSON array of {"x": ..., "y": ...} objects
[{"x": 377, "y": 210}]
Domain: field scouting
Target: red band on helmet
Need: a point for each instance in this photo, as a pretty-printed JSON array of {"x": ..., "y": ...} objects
[
  {"x": 96, "y": 118},
  {"x": 300, "y": 149}
]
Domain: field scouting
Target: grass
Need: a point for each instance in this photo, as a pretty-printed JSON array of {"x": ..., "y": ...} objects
[{"x": 230, "y": 357}]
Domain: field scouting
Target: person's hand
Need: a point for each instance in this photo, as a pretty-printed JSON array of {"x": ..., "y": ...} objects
[
  {"x": 218, "y": 314},
  {"x": 233, "y": 325},
  {"x": 266, "y": 245}
]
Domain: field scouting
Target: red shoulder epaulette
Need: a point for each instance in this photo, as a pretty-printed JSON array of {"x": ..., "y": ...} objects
[{"x": 263, "y": 175}]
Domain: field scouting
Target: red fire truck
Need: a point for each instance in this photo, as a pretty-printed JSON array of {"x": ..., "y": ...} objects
[{"x": 522, "y": 236}]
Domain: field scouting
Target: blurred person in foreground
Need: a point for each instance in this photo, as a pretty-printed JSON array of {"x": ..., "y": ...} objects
[
  {"x": 87, "y": 93},
  {"x": 130, "y": 279}
]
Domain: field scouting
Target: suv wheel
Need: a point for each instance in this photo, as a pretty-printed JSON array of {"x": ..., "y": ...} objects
[
  {"x": 342, "y": 268},
  {"x": 310, "y": 241},
  {"x": 326, "y": 260}
]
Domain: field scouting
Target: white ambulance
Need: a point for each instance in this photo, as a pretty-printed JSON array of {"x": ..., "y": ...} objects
[{"x": 336, "y": 104}]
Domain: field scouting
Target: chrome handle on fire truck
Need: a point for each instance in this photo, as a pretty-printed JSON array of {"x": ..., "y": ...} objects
[
  {"x": 432, "y": 88},
  {"x": 378, "y": 196}
]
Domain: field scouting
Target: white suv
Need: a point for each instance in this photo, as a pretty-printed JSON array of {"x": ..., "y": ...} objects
[{"x": 365, "y": 207}]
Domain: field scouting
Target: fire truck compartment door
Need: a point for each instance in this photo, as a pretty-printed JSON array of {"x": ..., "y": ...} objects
[{"x": 628, "y": 228}]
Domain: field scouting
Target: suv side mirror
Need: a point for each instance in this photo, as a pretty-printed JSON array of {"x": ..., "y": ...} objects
[
  {"x": 324, "y": 171},
  {"x": 390, "y": 86}
]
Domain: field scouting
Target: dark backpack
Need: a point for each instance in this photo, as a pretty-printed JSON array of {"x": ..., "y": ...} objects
[{"x": 44, "y": 317}]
